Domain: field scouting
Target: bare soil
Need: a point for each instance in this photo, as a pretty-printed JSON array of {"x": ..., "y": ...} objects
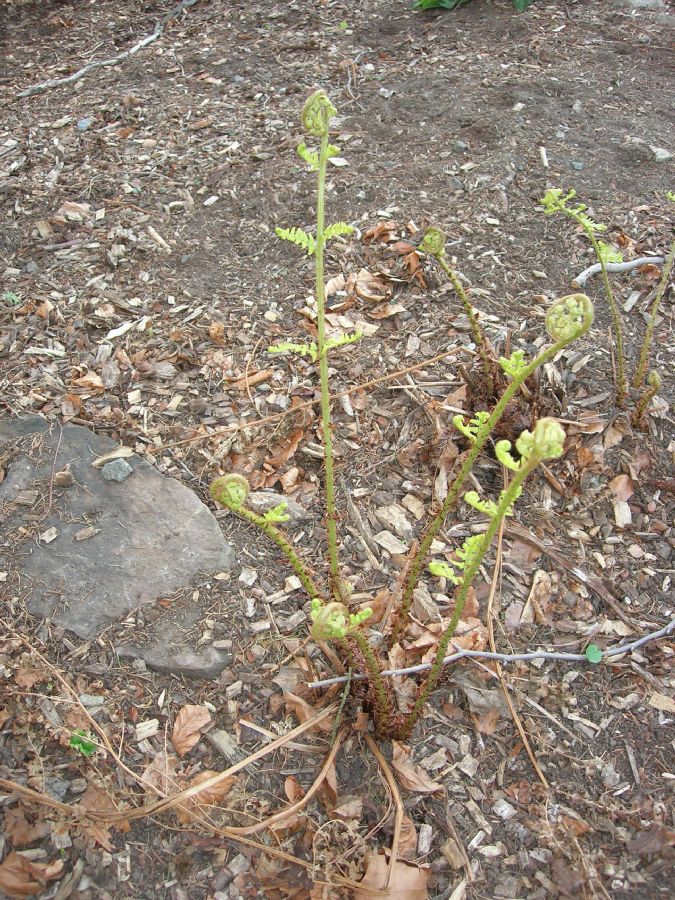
[{"x": 143, "y": 199}]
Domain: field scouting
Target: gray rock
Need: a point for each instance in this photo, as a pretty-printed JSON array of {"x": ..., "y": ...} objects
[
  {"x": 117, "y": 470},
  {"x": 151, "y": 537}
]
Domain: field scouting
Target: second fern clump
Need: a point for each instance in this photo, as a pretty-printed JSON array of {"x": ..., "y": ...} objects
[{"x": 331, "y": 617}]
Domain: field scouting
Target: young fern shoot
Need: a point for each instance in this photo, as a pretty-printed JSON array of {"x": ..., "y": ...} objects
[
  {"x": 433, "y": 244},
  {"x": 317, "y": 114},
  {"x": 555, "y": 201}
]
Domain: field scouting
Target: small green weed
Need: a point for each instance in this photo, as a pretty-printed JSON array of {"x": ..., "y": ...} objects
[{"x": 81, "y": 741}]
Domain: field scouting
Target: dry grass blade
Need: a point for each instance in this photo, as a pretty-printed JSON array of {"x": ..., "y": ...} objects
[{"x": 295, "y": 807}]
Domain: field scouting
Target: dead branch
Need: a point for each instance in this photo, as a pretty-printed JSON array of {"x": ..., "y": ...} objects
[{"x": 115, "y": 60}]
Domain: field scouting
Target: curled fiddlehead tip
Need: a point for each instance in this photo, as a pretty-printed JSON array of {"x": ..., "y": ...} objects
[
  {"x": 317, "y": 113},
  {"x": 230, "y": 491},
  {"x": 569, "y": 317},
  {"x": 433, "y": 242},
  {"x": 545, "y": 442},
  {"x": 329, "y": 620},
  {"x": 654, "y": 381}
]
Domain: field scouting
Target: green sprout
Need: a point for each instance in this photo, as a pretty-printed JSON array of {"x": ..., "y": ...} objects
[
  {"x": 593, "y": 654},
  {"x": 81, "y": 741}
]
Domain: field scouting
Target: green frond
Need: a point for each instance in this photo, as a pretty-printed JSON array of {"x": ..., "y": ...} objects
[
  {"x": 301, "y": 349},
  {"x": 278, "y": 514},
  {"x": 343, "y": 339},
  {"x": 472, "y": 429},
  {"x": 337, "y": 229},
  {"x": 230, "y": 491},
  {"x": 608, "y": 254},
  {"x": 503, "y": 454},
  {"x": 515, "y": 364},
  {"x": 489, "y": 507},
  {"x": 311, "y": 157},
  {"x": 433, "y": 242},
  {"x": 569, "y": 317},
  {"x": 443, "y": 570},
  {"x": 332, "y": 150},
  {"x": 298, "y": 237}
]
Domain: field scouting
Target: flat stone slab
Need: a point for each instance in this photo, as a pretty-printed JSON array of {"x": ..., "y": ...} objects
[{"x": 88, "y": 551}]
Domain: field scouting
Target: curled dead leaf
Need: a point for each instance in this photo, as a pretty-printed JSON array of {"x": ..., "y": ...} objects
[
  {"x": 19, "y": 877},
  {"x": 194, "y": 807},
  {"x": 410, "y": 775}
]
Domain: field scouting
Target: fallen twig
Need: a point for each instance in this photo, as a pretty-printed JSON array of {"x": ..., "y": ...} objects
[
  {"x": 583, "y": 277},
  {"x": 113, "y": 61},
  {"x": 617, "y": 650}
]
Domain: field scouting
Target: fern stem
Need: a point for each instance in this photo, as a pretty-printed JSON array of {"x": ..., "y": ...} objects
[
  {"x": 616, "y": 320},
  {"x": 477, "y": 332},
  {"x": 381, "y": 699},
  {"x": 331, "y": 515},
  {"x": 645, "y": 350},
  {"x": 273, "y": 533},
  {"x": 506, "y": 501}
]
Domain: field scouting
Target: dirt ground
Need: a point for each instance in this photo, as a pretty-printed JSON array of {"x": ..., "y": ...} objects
[{"x": 141, "y": 285}]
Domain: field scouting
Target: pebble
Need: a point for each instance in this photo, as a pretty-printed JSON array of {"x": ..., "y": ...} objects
[{"x": 116, "y": 470}]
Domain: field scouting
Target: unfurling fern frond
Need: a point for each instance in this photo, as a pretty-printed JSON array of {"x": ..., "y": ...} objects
[
  {"x": 336, "y": 229},
  {"x": 311, "y": 157},
  {"x": 299, "y": 237}
]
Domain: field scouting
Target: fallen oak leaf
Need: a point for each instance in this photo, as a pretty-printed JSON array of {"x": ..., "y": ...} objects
[
  {"x": 411, "y": 776},
  {"x": 187, "y": 727}
]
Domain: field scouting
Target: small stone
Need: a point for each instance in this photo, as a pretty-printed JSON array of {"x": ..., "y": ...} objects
[
  {"x": 117, "y": 470},
  {"x": 577, "y": 166},
  {"x": 503, "y": 809},
  {"x": 577, "y": 107},
  {"x": 460, "y": 147},
  {"x": 455, "y": 183},
  {"x": 660, "y": 154}
]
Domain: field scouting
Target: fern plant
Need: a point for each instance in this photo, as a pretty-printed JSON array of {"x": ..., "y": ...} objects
[{"x": 331, "y": 618}]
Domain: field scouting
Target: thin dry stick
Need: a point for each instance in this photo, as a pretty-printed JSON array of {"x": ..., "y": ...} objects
[
  {"x": 398, "y": 805},
  {"x": 498, "y": 667},
  {"x": 231, "y": 429}
]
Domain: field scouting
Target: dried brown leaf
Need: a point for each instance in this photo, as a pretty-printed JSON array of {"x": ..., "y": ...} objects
[
  {"x": 408, "y": 881},
  {"x": 194, "y": 807},
  {"x": 411, "y": 776},
  {"x": 187, "y": 727},
  {"x": 303, "y": 712},
  {"x": 19, "y": 877}
]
